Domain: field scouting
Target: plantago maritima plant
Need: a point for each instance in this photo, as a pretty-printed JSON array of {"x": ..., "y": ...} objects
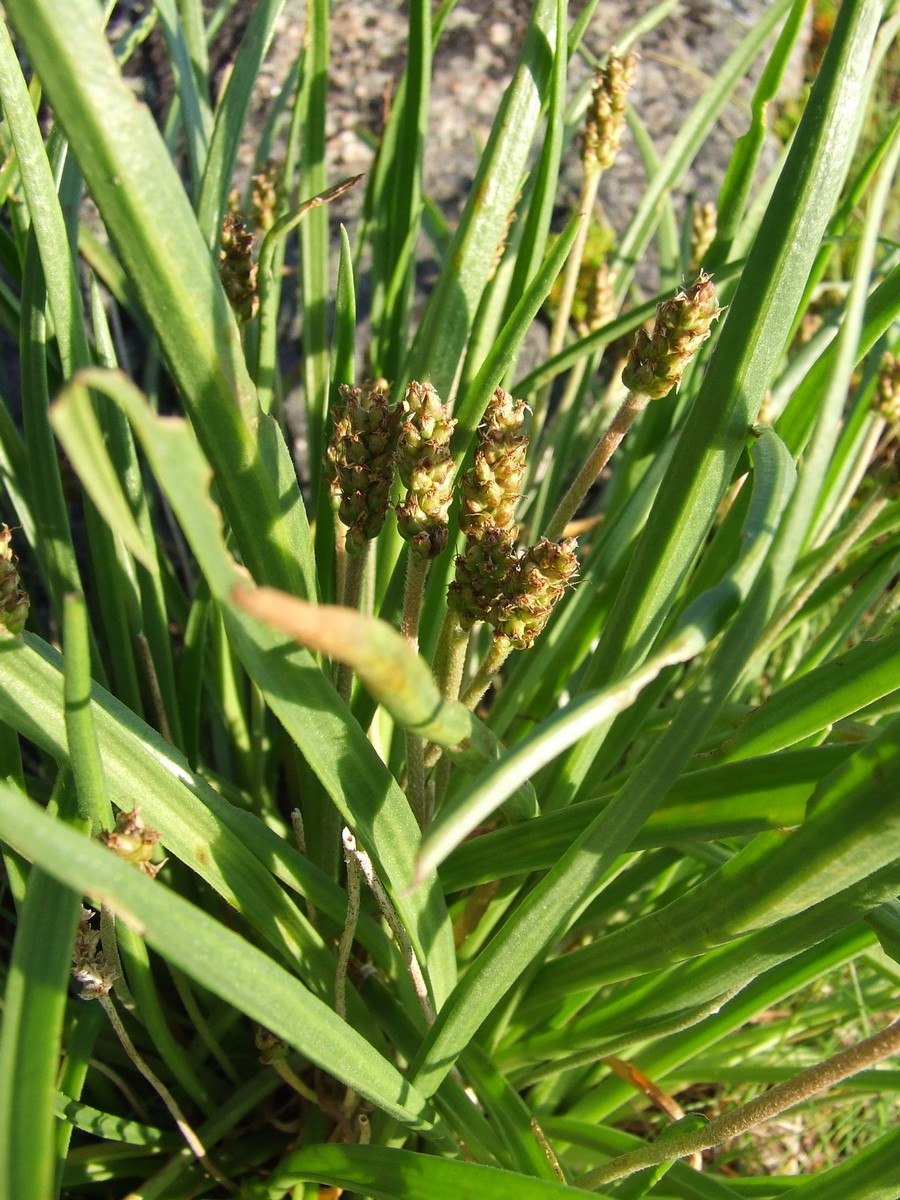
[{"x": 433, "y": 856}]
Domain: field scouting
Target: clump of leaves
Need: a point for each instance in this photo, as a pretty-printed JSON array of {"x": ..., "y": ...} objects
[{"x": 519, "y": 752}]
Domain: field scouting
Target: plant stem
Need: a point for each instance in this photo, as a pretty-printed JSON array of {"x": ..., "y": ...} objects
[
  {"x": 450, "y": 656},
  {"x": 415, "y": 776},
  {"x": 494, "y": 659},
  {"x": 634, "y": 403},
  {"x": 770, "y": 1104},
  {"x": 195, "y": 1145},
  {"x": 586, "y": 202},
  {"x": 353, "y": 581},
  {"x": 156, "y": 696},
  {"x": 416, "y": 574},
  {"x": 364, "y": 864},
  {"x": 349, "y": 933},
  {"x": 340, "y": 558}
]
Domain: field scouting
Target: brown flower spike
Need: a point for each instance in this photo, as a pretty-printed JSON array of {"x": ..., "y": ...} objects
[
  {"x": 359, "y": 462},
  {"x": 237, "y": 270},
  {"x": 490, "y": 492},
  {"x": 425, "y": 465}
]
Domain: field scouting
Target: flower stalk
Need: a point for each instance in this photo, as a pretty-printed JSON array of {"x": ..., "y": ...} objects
[
  {"x": 654, "y": 366},
  {"x": 601, "y": 138}
]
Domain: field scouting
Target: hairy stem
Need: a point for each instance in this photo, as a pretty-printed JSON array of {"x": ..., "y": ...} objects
[
  {"x": 194, "y": 1144},
  {"x": 494, "y": 659},
  {"x": 353, "y": 582},
  {"x": 586, "y": 202},
  {"x": 633, "y": 404},
  {"x": 770, "y": 1104}
]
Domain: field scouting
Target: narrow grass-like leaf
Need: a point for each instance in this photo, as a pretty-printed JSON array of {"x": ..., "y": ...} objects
[
  {"x": 308, "y": 125},
  {"x": 112, "y": 1128},
  {"x": 739, "y": 177},
  {"x": 812, "y": 703},
  {"x": 196, "y": 114},
  {"x": 531, "y": 247},
  {"x": 31, "y": 1042},
  {"x": 508, "y": 341},
  {"x": 690, "y": 137},
  {"x": 394, "y": 200},
  {"x": 731, "y": 800},
  {"x": 748, "y": 349},
  {"x": 401, "y": 1175},
  {"x": 699, "y": 625},
  {"x": 217, "y": 958},
  {"x": 193, "y": 819},
  {"x": 148, "y": 216},
  {"x": 852, "y": 832},
  {"x": 230, "y": 117},
  {"x": 578, "y": 875},
  {"x": 662, "y": 1056},
  {"x": 43, "y": 204},
  {"x": 383, "y": 661},
  {"x": 438, "y": 348},
  {"x": 84, "y": 754},
  {"x": 79, "y": 431}
]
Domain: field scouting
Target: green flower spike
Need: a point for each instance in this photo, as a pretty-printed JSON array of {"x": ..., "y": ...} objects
[
  {"x": 360, "y": 461},
  {"x": 657, "y": 360},
  {"x": 268, "y": 185},
  {"x": 605, "y": 119},
  {"x": 703, "y": 232},
  {"x": 426, "y": 469},
  {"x": 14, "y": 601}
]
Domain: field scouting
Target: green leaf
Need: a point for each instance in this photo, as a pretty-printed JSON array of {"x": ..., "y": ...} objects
[
  {"x": 31, "y": 1042},
  {"x": 149, "y": 218},
  {"x": 748, "y": 349},
  {"x": 401, "y": 1175},
  {"x": 360, "y": 785},
  {"x": 437, "y": 350},
  {"x": 818, "y": 699},
  {"x": 85, "y": 442},
  {"x": 231, "y": 114},
  {"x": 217, "y": 958}
]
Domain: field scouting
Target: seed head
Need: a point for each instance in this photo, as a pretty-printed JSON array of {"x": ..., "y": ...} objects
[
  {"x": 600, "y": 300},
  {"x": 268, "y": 183},
  {"x": 703, "y": 232},
  {"x": 482, "y": 573},
  {"x": 540, "y": 578},
  {"x": 237, "y": 270},
  {"x": 490, "y": 490},
  {"x": 359, "y": 461},
  {"x": 657, "y": 360},
  {"x": 605, "y": 117},
  {"x": 90, "y": 966},
  {"x": 134, "y": 841},
  {"x": 425, "y": 466}
]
